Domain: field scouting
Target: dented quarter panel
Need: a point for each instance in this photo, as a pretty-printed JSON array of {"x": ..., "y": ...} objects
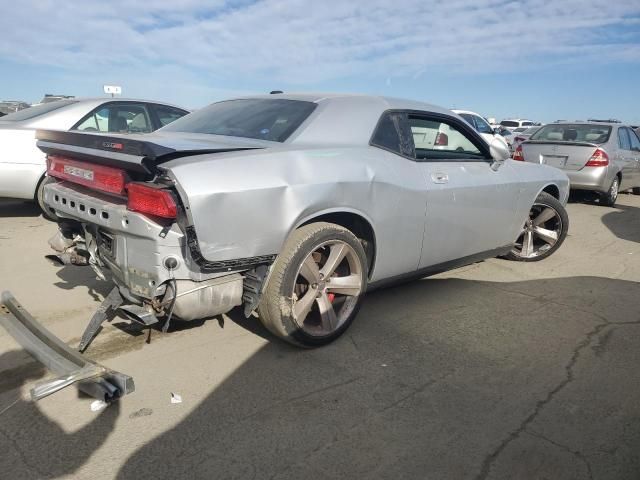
[{"x": 245, "y": 205}]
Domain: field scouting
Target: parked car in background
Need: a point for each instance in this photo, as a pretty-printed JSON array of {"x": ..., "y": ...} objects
[
  {"x": 512, "y": 124},
  {"x": 22, "y": 164},
  {"x": 12, "y": 106},
  {"x": 506, "y": 134},
  {"x": 48, "y": 98},
  {"x": 310, "y": 188},
  {"x": 597, "y": 156},
  {"x": 522, "y": 135},
  {"x": 481, "y": 125}
]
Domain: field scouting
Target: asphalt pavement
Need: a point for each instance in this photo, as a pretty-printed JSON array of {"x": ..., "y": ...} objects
[{"x": 498, "y": 370}]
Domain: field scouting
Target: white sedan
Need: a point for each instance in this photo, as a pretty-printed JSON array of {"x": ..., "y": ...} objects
[
  {"x": 22, "y": 164},
  {"x": 482, "y": 126}
]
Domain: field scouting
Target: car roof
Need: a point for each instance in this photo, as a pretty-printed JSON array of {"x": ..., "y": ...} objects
[
  {"x": 345, "y": 118},
  {"x": 322, "y": 97},
  {"x": 99, "y": 100},
  {"x": 582, "y": 122},
  {"x": 468, "y": 112}
]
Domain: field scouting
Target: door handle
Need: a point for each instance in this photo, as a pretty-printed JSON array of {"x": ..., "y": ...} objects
[{"x": 439, "y": 177}]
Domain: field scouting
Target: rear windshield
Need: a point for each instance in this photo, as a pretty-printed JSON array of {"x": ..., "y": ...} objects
[
  {"x": 509, "y": 123},
  {"x": 531, "y": 130},
  {"x": 263, "y": 119},
  {"x": 568, "y": 132},
  {"x": 33, "y": 112}
]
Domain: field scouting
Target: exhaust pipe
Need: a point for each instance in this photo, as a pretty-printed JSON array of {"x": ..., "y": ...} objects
[{"x": 138, "y": 314}]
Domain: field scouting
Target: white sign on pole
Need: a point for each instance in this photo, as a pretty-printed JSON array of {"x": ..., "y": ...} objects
[{"x": 113, "y": 89}]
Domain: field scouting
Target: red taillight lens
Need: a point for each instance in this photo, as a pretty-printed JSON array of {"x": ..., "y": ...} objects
[
  {"x": 150, "y": 200},
  {"x": 98, "y": 177},
  {"x": 442, "y": 140},
  {"x": 598, "y": 159},
  {"x": 518, "y": 155}
]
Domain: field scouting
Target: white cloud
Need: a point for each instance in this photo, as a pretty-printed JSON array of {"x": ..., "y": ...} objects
[{"x": 299, "y": 42}]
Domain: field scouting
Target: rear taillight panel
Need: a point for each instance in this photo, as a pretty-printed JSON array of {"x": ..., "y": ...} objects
[
  {"x": 518, "y": 154},
  {"x": 598, "y": 159},
  {"x": 97, "y": 177},
  {"x": 442, "y": 140},
  {"x": 151, "y": 200}
]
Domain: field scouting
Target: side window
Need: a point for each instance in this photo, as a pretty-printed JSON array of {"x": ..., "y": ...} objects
[
  {"x": 166, "y": 115},
  {"x": 635, "y": 141},
  {"x": 392, "y": 133},
  {"x": 116, "y": 118},
  {"x": 623, "y": 139},
  {"x": 438, "y": 140},
  {"x": 96, "y": 121}
]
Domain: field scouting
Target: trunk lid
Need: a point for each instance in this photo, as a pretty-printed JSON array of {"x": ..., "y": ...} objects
[{"x": 561, "y": 154}]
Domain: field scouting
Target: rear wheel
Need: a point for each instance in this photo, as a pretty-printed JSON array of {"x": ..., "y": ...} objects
[
  {"x": 316, "y": 286},
  {"x": 610, "y": 196},
  {"x": 46, "y": 212},
  {"x": 543, "y": 232}
]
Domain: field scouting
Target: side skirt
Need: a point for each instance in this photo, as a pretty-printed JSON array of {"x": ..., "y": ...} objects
[{"x": 439, "y": 268}]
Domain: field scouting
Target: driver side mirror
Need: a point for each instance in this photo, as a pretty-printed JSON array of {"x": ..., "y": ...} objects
[{"x": 496, "y": 131}]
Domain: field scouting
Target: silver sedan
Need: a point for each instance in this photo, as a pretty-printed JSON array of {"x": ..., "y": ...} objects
[
  {"x": 599, "y": 156},
  {"x": 294, "y": 205}
]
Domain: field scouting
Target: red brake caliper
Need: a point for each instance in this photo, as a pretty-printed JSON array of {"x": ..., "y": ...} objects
[{"x": 331, "y": 296}]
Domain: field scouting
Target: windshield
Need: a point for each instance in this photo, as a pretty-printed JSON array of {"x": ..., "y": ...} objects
[
  {"x": 569, "y": 132},
  {"x": 509, "y": 123},
  {"x": 477, "y": 122},
  {"x": 33, "y": 112},
  {"x": 263, "y": 119}
]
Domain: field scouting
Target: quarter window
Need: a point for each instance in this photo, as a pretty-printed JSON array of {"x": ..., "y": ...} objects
[{"x": 392, "y": 134}]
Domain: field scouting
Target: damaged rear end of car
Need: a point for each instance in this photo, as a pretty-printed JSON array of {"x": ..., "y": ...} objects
[{"x": 122, "y": 215}]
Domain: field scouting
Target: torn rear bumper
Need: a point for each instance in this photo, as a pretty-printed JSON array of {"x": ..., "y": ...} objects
[{"x": 72, "y": 367}]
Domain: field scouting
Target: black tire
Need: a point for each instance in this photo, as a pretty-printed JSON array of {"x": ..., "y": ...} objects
[
  {"x": 636, "y": 190},
  {"x": 276, "y": 308},
  {"x": 39, "y": 198},
  {"x": 609, "y": 198},
  {"x": 561, "y": 226}
]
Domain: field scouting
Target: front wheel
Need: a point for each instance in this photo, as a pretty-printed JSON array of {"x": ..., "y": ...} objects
[
  {"x": 543, "y": 232},
  {"x": 316, "y": 286}
]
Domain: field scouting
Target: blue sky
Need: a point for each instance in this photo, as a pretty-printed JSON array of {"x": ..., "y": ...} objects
[{"x": 540, "y": 59}]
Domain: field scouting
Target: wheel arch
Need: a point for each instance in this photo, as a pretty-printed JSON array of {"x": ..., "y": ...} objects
[
  {"x": 552, "y": 189},
  {"x": 356, "y": 222}
]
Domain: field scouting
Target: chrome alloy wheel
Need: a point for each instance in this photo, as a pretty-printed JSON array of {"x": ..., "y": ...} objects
[
  {"x": 540, "y": 233},
  {"x": 327, "y": 287}
]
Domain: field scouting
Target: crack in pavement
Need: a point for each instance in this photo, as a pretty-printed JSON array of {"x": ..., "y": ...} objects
[
  {"x": 575, "y": 453},
  {"x": 338, "y": 437},
  {"x": 23, "y": 456},
  {"x": 491, "y": 458}
]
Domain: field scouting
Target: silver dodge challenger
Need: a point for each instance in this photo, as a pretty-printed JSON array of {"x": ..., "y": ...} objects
[{"x": 291, "y": 206}]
